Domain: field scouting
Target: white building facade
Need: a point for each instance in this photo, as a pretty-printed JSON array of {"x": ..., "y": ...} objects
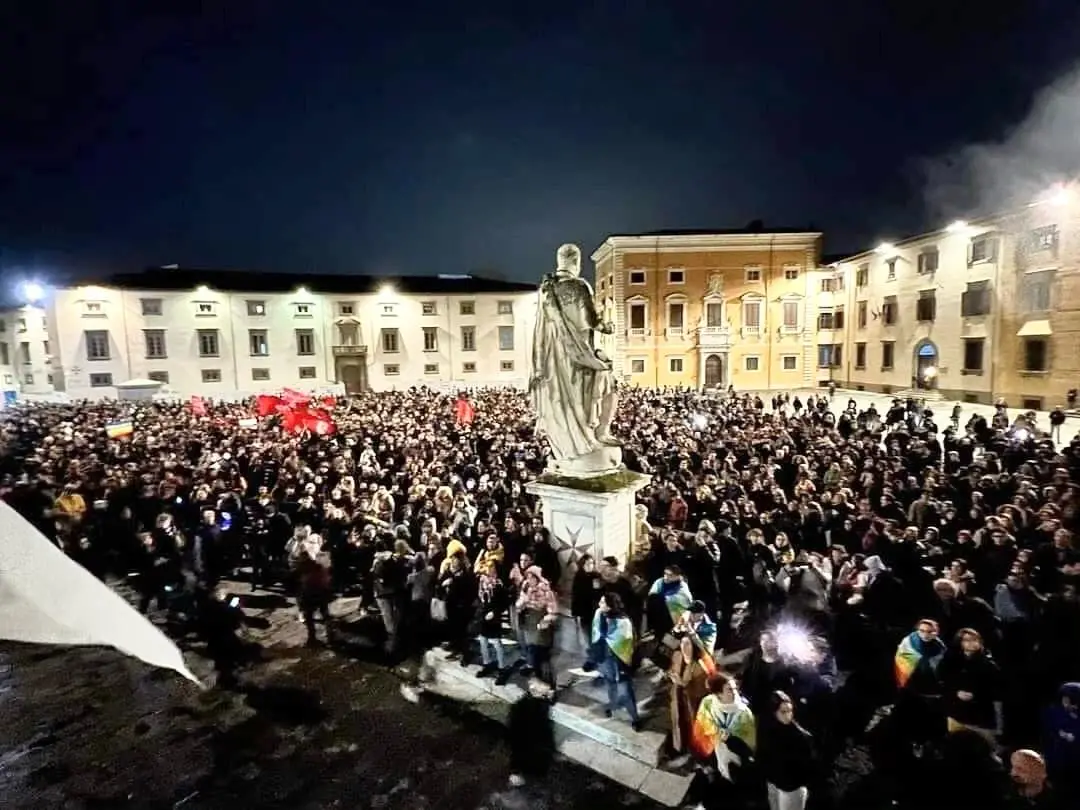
[{"x": 240, "y": 334}]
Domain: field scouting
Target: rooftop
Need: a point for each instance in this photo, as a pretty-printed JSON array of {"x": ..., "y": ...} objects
[
  {"x": 755, "y": 228},
  {"x": 176, "y": 279}
]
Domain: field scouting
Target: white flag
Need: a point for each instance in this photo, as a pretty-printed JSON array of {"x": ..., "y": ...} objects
[{"x": 48, "y": 598}]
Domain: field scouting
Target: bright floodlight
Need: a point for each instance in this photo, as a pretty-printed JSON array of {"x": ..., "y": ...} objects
[
  {"x": 700, "y": 420},
  {"x": 301, "y": 291},
  {"x": 794, "y": 642},
  {"x": 929, "y": 372},
  {"x": 386, "y": 290},
  {"x": 202, "y": 289},
  {"x": 957, "y": 227},
  {"x": 1058, "y": 194},
  {"x": 886, "y": 247},
  {"x": 31, "y": 292}
]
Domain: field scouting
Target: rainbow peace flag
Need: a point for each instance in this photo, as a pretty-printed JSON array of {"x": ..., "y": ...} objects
[
  {"x": 617, "y": 632},
  {"x": 117, "y": 430}
]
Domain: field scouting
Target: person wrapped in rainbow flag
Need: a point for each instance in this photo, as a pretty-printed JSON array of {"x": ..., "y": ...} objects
[
  {"x": 918, "y": 655},
  {"x": 669, "y": 601},
  {"x": 613, "y": 653},
  {"x": 724, "y": 727}
]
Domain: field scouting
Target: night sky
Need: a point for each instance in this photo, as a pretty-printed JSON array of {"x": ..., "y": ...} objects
[{"x": 408, "y": 137}]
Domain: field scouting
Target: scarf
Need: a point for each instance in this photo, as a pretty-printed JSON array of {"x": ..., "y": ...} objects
[
  {"x": 538, "y": 596},
  {"x": 617, "y": 632}
]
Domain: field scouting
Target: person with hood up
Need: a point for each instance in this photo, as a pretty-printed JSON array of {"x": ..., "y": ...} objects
[
  {"x": 785, "y": 755},
  {"x": 1061, "y": 743}
]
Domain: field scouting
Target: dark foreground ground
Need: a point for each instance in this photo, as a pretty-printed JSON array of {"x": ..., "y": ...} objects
[{"x": 89, "y": 728}]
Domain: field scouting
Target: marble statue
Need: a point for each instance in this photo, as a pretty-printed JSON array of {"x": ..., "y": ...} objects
[{"x": 572, "y": 385}]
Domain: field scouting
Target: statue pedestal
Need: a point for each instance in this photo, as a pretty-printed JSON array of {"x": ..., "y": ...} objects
[{"x": 587, "y": 516}]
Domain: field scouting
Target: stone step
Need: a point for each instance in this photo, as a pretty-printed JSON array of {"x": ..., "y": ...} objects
[
  {"x": 918, "y": 393},
  {"x": 608, "y": 746}
]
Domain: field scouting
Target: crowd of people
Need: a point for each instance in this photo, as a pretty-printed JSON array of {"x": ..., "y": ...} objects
[{"x": 808, "y": 573}]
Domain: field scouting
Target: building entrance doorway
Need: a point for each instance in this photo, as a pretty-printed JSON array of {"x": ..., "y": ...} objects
[
  {"x": 926, "y": 365},
  {"x": 354, "y": 377},
  {"x": 714, "y": 371}
]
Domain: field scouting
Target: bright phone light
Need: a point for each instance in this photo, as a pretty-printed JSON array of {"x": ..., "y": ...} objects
[
  {"x": 794, "y": 642},
  {"x": 700, "y": 420}
]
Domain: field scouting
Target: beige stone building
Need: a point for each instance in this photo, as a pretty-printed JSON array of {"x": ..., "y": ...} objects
[
  {"x": 977, "y": 311},
  {"x": 712, "y": 309}
]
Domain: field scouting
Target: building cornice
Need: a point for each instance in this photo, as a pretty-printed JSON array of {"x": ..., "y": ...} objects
[{"x": 702, "y": 242}]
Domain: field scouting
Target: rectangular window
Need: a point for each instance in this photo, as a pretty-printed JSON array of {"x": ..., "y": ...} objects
[
  {"x": 973, "y": 355},
  {"x": 791, "y": 314},
  {"x": 926, "y": 306},
  {"x": 1044, "y": 238},
  {"x": 791, "y": 273},
  {"x": 982, "y": 249},
  {"x": 506, "y": 338},
  {"x": 1035, "y": 291},
  {"x": 860, "y": 355},
  {"x": 431, "y": 339},
  {"x": 28, "y": 378},
  {"x": 428, "y": 308},
  {"x": 97, "y": 344},
  {"x": 150, "y": 306},
  {"x": 93, "y": 309},
  {"x": 675, "y": 365},
  {"x": 753, "y": 275},
  {"x": 155, "y": 344},
  {"x": 305, "y": 342},
  {"x": 45, "y": 347},
  {"x": 5, "y": 355},
  {"x": 158, "y": 376},
  {"x": 390, "y": 341},
  {"x": 890, "y": 270},
  {"x": 307, "y": 372},
  {"x": 391, "y": 369},
  {"x": 714, "y": 315},
  {"x": 888, "y": 310},
  {"x": 100, "y": 380},
  {"x": 468, "y": 368},
  {"x": 346, "y": 309},
  {"x": 824, "y": 355},
  {"x": 752, "y": 363},
  {"x": 825, "y": 320},
  {"x": 637, "y": 318},
  {"x": 257, "y": 343},
  {"x": 828, "y": 284},
  {"x": 862, "y": 275},
  {"x": 675, "y": 313},
  {"x": 752, "y": 315},
  {"x": 467, "y": 308},
  {"x": 431, "y": 368},
  {"x": 888, "y": 350},
  {"x": 389, "y": 309},
  {"x": 1032, "y": 403},
  {"x": 506, "y": 365},
  {"x": 790, "y": 362},
  {"x": 676, "y": 277},
  {"x": 208, "y": 343},
  {"x": 1035, "y": 354},
  {"x": 204, "y": 308},
  {"x": 860, "y": 314},
  {"x": 637, "y": 365},
  {"x": 975, "y": 300},
  {"x": 302, "y": 310},
  {"x": 24, "y": 354},
  {"x": 506, "y": 308},
  {"x": 928, "y": 261},
  {"x": 260, "y": 374},
  {"x": 637, "y": 277},
  {"x": 468, "y": 338},
  {"x": 211, "y": 375},
  {"x": 256, "y": 308}
]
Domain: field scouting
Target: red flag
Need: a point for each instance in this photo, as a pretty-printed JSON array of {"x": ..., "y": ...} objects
[
  {"x": 292, "y": 419},
  {"x": 294, "y": 398},
  {"x": 465, "y": 411},
  {"x": 198, "y": 406},
  {"x": 266, "y": 404},
  {"x": 319, "y": 423},
  {"x": 329, "y": 402}
]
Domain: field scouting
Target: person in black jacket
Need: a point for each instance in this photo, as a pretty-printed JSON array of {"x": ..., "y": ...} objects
[
  {"x": 532, "y": 735},
  {"x": 971, "y": 686},
  {"x": 785, "y": 755},
  {"x": 492, "y": 602},
  {"x": 585, "y": 596}
]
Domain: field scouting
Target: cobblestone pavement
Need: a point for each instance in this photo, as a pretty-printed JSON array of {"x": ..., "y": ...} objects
[{"x": 89, "y": 728}]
